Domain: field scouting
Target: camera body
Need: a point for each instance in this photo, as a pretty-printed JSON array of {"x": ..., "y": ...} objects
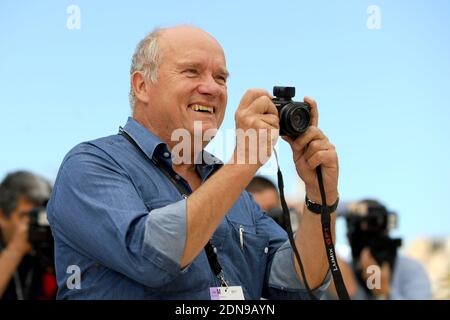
[
  {"x": 294, "y": 116},
  {"x": 40, "y": 236}
]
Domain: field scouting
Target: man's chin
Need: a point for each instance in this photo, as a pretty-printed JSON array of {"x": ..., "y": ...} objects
[{"x": 204, "y": 129}]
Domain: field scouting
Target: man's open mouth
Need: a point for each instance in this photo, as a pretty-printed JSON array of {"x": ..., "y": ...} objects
[{"x": 201, "y": 108}]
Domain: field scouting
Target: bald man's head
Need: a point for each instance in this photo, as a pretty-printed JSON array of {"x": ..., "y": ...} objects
[
  {"x": 176, "y": 40},
  {"x": 150, "y": 50},
  {"x": 183, "y": 33},
  {"x": 179, "y": 77}
]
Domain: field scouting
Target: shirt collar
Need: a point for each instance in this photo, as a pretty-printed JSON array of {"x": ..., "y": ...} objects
[
  {"x": 149, "y": 143},
  {"x": 153, "y": 146},
  {"x": 209, "y": 165}
]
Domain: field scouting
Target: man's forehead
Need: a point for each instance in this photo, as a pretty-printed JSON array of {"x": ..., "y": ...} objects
[
  {"x": 25, "y": 201},
  {"x": 186, "y": 33},
  {"x": 183, "y": 42}
]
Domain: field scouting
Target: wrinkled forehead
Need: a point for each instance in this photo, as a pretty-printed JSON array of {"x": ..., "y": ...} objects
[{"x": 185, "y": 44}]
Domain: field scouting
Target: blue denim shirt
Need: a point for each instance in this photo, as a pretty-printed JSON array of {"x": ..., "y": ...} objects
[{"x": 118, "y": 218}]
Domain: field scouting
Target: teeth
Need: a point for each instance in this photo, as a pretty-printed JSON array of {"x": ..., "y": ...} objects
[{"x": 199, "y": 107}]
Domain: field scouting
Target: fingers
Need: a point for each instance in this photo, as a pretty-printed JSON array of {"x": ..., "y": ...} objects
[
  {"x": 259, "y": 101},
  {"x": 316, "y": 146},
  {"x": 271, "y": 120},
  {"x": 324, "y": 158},
  {"x": 257, "y": 111},
  {"x": 264, "y": 105},
  {"x": 251, "y": 95},
  {"x": 312, "y": 133},
  {"x": 314, "y": 121}
]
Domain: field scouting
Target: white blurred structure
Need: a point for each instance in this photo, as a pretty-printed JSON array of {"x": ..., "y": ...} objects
[{"x": 434, "y": 254}]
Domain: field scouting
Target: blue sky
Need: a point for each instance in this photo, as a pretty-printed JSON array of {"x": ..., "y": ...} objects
[{"x": 383, "y": 94}]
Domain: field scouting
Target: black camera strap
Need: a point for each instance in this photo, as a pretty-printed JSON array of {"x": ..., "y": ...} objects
[
  {"x": 328, "y": 240},
  {"x": 327, "y": 237},
  {"x": 209, "y": 249}
]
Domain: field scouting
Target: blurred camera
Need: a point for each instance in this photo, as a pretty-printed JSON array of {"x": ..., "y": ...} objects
[
  {"x": 368, "y": 226},
  {"x": 40, "y": 236},
  {"x": 277, "y": 214},
  {"x": 294, "y": 116}
]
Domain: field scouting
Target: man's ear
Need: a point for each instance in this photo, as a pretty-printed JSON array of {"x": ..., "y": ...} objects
[{"x": 140, "y": 86}]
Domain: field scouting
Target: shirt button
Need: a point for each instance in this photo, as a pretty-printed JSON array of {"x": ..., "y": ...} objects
[
  {"x": 215, "y": 250},
  {"x": 166, "y": 154},
  {"x": 177, "y": 177},
  {"x": 266, "y": 250}
]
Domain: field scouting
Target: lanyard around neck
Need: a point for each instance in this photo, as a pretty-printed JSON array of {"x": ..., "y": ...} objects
[{"x": 209, "y": 249}]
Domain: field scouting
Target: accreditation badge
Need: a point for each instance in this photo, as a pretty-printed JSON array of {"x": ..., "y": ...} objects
[{"x": 227, "y": 293}]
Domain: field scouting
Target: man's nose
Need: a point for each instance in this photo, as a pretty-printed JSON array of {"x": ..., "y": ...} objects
[{"x": 209, "y": 86}]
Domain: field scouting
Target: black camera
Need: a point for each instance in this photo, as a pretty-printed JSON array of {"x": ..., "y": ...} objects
[
  {"x": 368, "y": 226},
  {"x": 294, "y": 116},
  {"x": 277, "y": 214},
  {"x": 40, "y": 236}
]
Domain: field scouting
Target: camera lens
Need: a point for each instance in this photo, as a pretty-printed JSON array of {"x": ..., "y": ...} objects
[{"x": 294, "y": 119}]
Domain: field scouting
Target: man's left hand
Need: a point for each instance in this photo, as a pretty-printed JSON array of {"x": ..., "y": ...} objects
[{"x": 310, "y": 149}]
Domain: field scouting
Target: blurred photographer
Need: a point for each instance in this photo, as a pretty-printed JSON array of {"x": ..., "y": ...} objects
[
  {"x": 26, "y": 250},
  {"x": 378, "y": 270},
  {"x": 266, "y": 196}
]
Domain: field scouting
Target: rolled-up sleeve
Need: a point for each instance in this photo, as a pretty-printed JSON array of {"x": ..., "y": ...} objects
[
  {"x": 284, "y": 278},
  {"x": 96, "y": 210},
  {"x": 166, "y": 227}
]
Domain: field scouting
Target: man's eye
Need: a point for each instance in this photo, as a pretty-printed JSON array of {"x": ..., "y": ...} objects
[
  {"x": 221, "y": 79},
  {"x": 191, "y": 72}
]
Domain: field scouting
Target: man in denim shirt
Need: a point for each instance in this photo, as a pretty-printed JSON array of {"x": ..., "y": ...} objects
[{"x": 123, "y": 230}]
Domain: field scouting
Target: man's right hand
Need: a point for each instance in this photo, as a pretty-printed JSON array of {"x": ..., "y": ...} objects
[
  {"x": 207, "y": 206},
  {"x": 257, "y": 128}
]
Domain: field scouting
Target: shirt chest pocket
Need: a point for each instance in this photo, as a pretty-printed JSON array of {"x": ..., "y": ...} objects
[
  {"x": 247, "y": 256},
  {"x": 246, "y": 237},
  {"x": 244, "y": 230},
  {"x": 248, "y": 247}
]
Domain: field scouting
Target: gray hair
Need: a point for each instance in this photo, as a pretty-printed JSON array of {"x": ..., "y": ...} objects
[
  {"x": 23, "y": 184},
  {"x": 145, "y": 59}
]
